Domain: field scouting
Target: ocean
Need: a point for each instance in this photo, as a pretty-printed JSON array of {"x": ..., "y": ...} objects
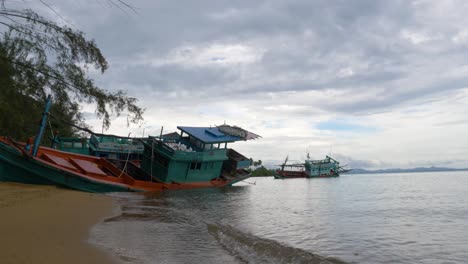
[{"x": 373, "y": 218}]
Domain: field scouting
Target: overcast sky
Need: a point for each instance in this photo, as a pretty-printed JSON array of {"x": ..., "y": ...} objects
[{"x": 378, "y": 84}]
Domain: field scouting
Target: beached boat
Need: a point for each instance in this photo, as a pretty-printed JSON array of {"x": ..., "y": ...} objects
[
  {"x": 197, "y": 154},
  {"x": 200, "y": 159},
  {"x": 327, "y": 167}
]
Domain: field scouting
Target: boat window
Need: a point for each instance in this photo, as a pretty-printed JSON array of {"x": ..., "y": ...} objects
[
  {"x": 78, "y": 145},
  {"x": 192, "y": 141},
  {"x": 208, "y": 146},
  {"x": 161, "y": 159},
  {"x": 195, "y": 165},
  {"x": 67, "y": 144}
]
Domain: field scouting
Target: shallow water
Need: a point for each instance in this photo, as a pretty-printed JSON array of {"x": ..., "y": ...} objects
[{"x": 380, "y": 218}]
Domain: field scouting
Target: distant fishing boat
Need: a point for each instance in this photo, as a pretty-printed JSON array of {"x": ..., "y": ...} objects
[
  {"x": 198, "y": 158},
  {"x": 327, "y": 167}
]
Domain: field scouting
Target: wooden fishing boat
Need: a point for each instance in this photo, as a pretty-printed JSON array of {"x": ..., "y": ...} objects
[
  {"x": 82, "y": 172},
  {"x": 290, "y": 171},
  {"x": 199, "y": 164},
  {"x": 324, "y": 168},
  {"x": 197, "y": 154}
]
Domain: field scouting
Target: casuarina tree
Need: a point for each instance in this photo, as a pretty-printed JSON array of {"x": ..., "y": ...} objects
[{"x": 38, "y": 57}]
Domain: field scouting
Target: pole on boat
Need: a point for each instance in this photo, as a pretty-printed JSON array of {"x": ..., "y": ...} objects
[
  {"x": 42, "y": 126},
  {"x": 152, "y": 159}
]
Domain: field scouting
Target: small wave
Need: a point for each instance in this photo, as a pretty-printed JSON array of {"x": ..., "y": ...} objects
[
  {"x": 129, "y": 216},
  {"x": 252, "y": 249}
]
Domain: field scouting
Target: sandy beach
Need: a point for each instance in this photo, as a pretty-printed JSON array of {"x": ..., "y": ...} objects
[{"x": 46, "y": 224}]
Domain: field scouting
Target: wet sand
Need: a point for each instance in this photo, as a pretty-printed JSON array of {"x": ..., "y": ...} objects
[{"x": 46, "y": 224}]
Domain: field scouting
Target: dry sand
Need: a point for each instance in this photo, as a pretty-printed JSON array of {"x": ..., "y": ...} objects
[{"x": 46, "y": 224}]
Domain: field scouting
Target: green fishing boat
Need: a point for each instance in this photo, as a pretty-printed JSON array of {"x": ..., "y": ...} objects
[
  {"x": 323, "y": 168},
  {"x": 198, "y": 157}
]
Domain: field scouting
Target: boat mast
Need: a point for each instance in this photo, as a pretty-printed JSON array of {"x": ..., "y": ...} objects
[{"x": 42, "y": 126}]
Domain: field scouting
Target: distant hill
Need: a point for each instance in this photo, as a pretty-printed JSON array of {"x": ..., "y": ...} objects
[{"x": 420, "y": 169}]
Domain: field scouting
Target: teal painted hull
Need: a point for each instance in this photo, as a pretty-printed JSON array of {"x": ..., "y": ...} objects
[
  {"x": 11, "y": 170},
  {"x": 15, "y": 167}
]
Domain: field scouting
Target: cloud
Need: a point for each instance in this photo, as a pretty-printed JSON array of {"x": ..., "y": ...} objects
[
  {"x": 292, "y": 70},
  {"x": 340, "y": 126},
  {"x": 215, "y": 55}
]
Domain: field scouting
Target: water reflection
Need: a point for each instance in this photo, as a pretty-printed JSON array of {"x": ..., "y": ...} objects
[{"x": 400, "y": 218}]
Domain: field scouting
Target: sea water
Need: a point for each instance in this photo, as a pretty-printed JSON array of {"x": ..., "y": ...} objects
[{"x": 374, "y": 218}]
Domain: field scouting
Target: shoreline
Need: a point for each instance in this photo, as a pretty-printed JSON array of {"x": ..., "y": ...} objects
[{"x": 47, "y": 224}]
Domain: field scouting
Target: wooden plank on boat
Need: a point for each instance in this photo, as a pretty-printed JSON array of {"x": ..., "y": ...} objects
[
  {"x": 58, "y": 161},
  {"x": 87, "y": 166}
]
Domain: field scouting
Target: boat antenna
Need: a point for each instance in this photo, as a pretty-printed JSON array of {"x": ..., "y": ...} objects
[{"x": 285, "y": 161}]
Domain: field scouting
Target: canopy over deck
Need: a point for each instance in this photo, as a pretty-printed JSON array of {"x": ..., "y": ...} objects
[{"x": 210, "y": 135}]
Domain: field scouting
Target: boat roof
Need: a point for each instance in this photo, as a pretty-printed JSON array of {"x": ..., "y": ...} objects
[
  {"x": 173, "y": 135},
  {"x": 112, "y": 139},
  {"x": 297, "y": 165},
  {"x": 209, "y": 135}
]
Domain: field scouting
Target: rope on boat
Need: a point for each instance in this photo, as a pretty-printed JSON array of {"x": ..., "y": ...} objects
[
  {"x": 87, "y": 130},
  {"x": 126, "y": 162},
  {"x": 51, "y": 130},
  {"x": 75, "y": 126}
]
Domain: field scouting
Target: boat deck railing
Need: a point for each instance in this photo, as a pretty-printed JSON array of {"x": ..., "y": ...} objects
[{"x": 212, "y": 154}]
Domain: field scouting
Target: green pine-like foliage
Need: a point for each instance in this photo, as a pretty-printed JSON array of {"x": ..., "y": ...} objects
[{"x": 38, "y": 58}]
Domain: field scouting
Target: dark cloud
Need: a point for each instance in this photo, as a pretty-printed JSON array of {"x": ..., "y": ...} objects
[
  {"x": 276, "y": 63},
  {"x": 307, "y": 45}
]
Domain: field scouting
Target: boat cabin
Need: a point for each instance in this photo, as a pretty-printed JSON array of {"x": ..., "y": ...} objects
[
  {"x": 320, "y": 168},
  {"x": 73, "y": 145},
  {"x": 199, "y": 154},
  {"x": 103, "y": 146},
  {"x": 115, "y": 147}
]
